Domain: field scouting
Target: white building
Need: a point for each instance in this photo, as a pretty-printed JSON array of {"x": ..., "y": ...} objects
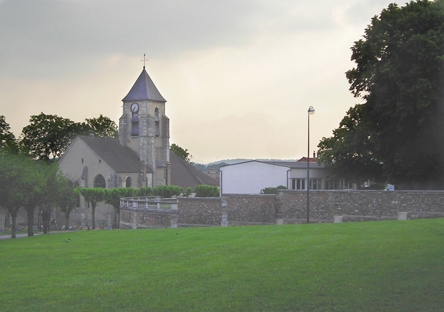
[{"x": 251, "y": 177}]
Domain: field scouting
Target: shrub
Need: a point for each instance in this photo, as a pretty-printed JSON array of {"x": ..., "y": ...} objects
[
  {"x": 167, "y": 191},
  {"x": 188, "y": 192},
  {"x": 273, "y": 190},
  {"x": 204, "y": 190},
  {"x": 145, "y": 191}
]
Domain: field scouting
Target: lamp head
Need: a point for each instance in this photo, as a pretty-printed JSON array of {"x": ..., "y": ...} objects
[{"x": 311, "y": 110}]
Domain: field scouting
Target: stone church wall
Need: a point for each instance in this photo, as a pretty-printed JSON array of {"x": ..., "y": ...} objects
[{"x": 290, "y": 207}]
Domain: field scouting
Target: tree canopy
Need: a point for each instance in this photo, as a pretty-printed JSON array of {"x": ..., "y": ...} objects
[
  {"x": 7, "y": 138},
  {"x": 48, "y": 136},
  {"x": 397, "y": 134},
  {"x": 182, "y": 153},
  {"x": 102, "y": 127}
]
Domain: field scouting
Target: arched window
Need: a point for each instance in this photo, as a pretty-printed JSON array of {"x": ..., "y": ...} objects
[
  {"x": 157, "y": 121},
  {"x": 128, "y": 182},
  {"x": 99, "y": 181}
]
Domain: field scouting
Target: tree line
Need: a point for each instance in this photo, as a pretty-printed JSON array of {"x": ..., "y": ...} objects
[
  {"x": 31, "y": 179},
  {"x": 396, "y": 134},
  {"x": 29, "y": 174}
]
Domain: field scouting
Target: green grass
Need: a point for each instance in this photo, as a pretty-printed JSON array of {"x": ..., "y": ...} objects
[{"x": 373, "y": 266}]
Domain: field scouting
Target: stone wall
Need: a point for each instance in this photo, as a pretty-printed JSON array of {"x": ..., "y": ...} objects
[
  {"x": 289, "y": 207},
  {"x": 142, "y": 218},
  {"x": 358, "y": 205},
  {"x": 250, "y": 209},
  {"x": 199, "y": 212}
]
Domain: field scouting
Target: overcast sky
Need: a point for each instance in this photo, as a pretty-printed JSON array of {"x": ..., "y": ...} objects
[{"x": 238, "y": 75}]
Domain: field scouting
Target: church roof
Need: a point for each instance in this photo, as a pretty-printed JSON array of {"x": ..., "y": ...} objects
[
  {"x": 186, "y": 175},
  {"x": 144, "y": 89},
  {"x": 120, "y": 158}
]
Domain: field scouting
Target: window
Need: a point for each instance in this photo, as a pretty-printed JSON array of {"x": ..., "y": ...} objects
[
  {"x": 128, "y": 182},
  {"x": 99, "y": 181},
  {"x": 157, "y": 121},
  {"x": 315, "y": 184},
  {"x": 332, "y": 185},
  {"x": 299, "y": 184}
]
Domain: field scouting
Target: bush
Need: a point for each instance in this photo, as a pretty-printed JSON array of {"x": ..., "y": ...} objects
[
  {"x": 188, "y": 192},
  {"x": 204, "y": 190},
  {"x": 145, "y": 191},
  {"x": 273, "y": 190},
  {"x": 167, "y": 191}
]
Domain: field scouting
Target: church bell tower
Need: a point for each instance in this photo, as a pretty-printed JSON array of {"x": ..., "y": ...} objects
[{"x": 144, "y": 128}]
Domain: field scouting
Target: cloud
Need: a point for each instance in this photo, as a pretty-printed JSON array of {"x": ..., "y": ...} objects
[
  {"x": 233, "y": 68},
  {"x": 54, "y": 31}
]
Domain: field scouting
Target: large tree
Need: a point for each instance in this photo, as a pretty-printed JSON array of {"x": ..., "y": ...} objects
[
  {"x": 399, "y": 75},
  {"x": 7, "y": 138},
  {"x": 102, "y": 127},
  {"x": 23, "y": 185},
  {"x": 48, "y": 136},
  {"x": 41, "y": 191}
]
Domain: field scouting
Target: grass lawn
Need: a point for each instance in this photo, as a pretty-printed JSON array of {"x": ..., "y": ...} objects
[{"x": 372, "y": 266}]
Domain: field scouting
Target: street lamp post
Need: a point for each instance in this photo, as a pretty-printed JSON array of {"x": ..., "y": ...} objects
[{"x": 310, "y": 112}]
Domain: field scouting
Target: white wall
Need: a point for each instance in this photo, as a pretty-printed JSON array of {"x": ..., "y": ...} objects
[{"x": 251, "y": 177}]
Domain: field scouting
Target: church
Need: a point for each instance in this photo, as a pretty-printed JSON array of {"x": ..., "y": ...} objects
[{"x": 139, "y": 157}]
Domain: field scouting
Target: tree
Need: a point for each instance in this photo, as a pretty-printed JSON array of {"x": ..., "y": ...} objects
[
  {"x": 67, "y": 197},
  {"x": 348, "y": 153},
  {"x": 47, "y": 136},
  {"x": 7, "y": 138},
  {"x": 182, "y": 153},
  {"x": 93, "y": 195},
  {"x": 102, "y": 127},
  {"x": 113, "y": 197},
  {"x": 41, "y": 190},
  {"x": 399, "y": 75},
  {"x": 16, "y": 177}
]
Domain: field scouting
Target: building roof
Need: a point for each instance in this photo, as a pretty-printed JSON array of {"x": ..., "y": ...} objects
[
  {"x": 119, "y": 158},
  {"x": 299, "y": 164},
  {"x": 144, "y": 89},
  {"x": 186, "y": 175}
]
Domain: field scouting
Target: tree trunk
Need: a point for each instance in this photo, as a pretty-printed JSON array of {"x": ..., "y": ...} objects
[
  {"x": 118, "y": 220},
  {"x": 46, "y": 217},
  {"x": 30, "y": 221},
  {"x": 66, "y": 221},
  {"x": 93, "y": 210},
  {"x": 7, "y": 222},
  {"x": 13, "y": 225},
  {"x": 45, "y": 226}
]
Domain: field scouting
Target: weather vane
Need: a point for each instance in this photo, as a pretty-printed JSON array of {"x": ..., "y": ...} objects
[{"x": 144, "y": 60}]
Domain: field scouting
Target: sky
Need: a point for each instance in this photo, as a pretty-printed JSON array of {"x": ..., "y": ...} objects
[{"x": 238, "y": 75}]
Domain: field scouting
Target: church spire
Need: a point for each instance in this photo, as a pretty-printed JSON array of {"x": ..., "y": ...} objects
[{"x": 144, "y": 89}]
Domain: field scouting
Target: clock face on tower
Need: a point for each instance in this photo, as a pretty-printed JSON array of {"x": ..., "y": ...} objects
[{"x": 134, "y": 107}]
